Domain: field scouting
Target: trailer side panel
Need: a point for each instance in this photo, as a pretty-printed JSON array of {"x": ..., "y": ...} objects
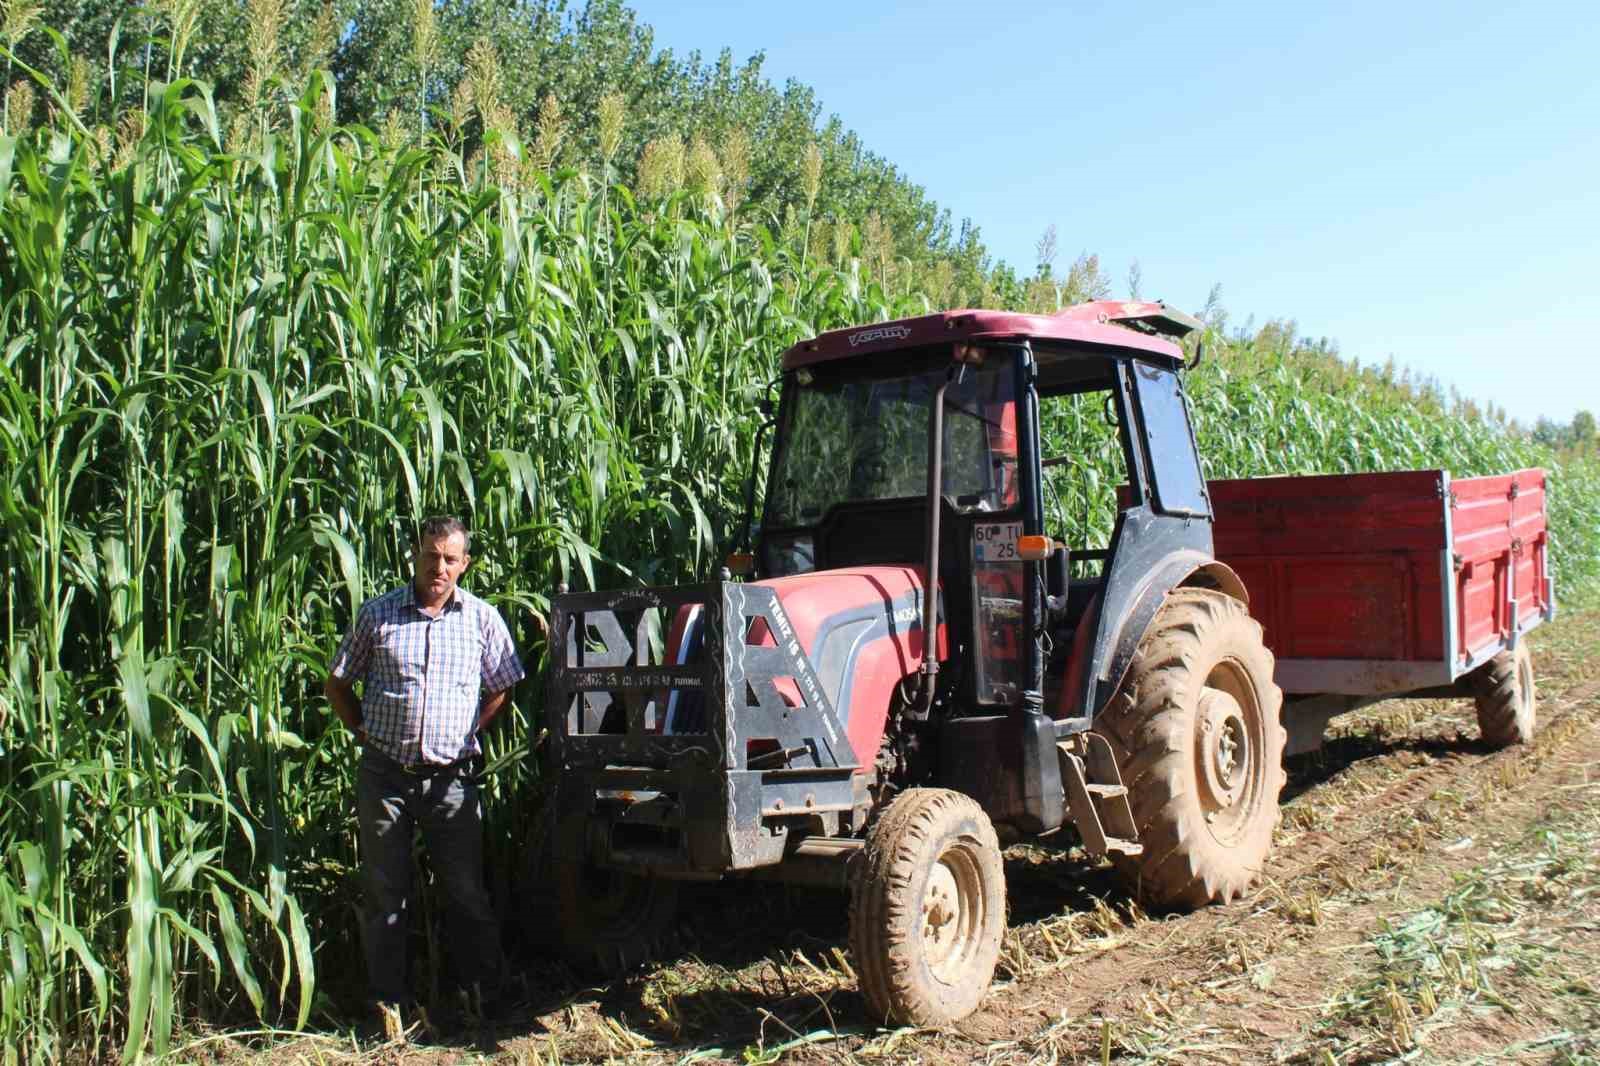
[
  {"x": 1499, "y": 545},
  {"x": 1385, "y": 583}
]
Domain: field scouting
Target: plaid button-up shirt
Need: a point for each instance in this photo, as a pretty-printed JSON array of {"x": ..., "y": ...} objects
[{"x": 425, "y": 677}]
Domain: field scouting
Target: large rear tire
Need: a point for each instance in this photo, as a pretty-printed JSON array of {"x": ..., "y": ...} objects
[
  {"x": 1506, "y": 698},
  {"x": 612, "y": 921},
  {"x": 1196, "y": 733},
  {"x": 928, "y": 909}
]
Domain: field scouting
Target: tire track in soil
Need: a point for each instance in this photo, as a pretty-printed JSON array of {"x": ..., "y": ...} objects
[
  {"x": 1152, "y": 963},
  {"x": 1303, "y": 853}
]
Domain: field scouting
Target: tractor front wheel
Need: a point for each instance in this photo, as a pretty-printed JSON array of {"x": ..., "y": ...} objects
[
  {"x": 613, "y": 921},
  {"x": 928, "y": 909},
  {"x": 1196, "y": 735}
]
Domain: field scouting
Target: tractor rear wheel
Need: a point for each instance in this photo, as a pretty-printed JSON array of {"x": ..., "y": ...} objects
[
  {"x": 612, "y": 921},
  {"x": 1196, "y": 735},
  {"x": 928, "y": 909},
  {"x": 1506, "y": 699}
]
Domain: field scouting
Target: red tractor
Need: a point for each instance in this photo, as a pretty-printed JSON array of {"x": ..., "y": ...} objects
[{"x": 794, "y": 726}]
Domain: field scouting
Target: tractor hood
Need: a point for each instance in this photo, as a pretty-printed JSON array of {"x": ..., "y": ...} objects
[{"x": 862, "y": 629}]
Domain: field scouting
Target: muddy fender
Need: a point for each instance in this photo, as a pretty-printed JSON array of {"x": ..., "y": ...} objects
[{"x": 1181, "y": 569}]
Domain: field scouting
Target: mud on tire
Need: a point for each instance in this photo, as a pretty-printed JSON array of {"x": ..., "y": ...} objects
[
  {"x": 928, "y": 908},
  {"x": 1197, "y": 737},
  {"x": 1504, "y": 690}
]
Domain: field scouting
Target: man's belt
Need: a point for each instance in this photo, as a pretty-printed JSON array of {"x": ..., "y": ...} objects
[{"x": 423, "y": 769}]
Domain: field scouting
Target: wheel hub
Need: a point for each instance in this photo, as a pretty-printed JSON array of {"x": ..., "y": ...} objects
[
  {"x": 939, "y": 905},
  {"x": 950, "y": 915},
  {"x": 1224, "y": 754}
]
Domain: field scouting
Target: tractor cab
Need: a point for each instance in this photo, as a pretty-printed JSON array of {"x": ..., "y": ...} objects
[{"x": 982, "y": 412}]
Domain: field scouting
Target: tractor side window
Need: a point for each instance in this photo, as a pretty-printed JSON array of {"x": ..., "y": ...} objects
[
  {"x": 1180, "y": 488},
  {"x": 1083, "y": 465}
]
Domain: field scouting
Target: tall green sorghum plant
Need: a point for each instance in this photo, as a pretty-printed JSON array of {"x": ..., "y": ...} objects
[{"x": 233, "y": 372}]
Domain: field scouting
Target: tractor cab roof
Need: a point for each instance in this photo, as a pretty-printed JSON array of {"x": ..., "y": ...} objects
[{"x": 1142, "y": 329}]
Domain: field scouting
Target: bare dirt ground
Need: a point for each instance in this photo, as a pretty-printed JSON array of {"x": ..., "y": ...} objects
[{"x": 1428, "y": 901}]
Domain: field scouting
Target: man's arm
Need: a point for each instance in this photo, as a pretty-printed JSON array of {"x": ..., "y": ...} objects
[
  {"x": 501, "y": 670},
  {"x": 349, "y": 664},
  {"x": 342, "y": 695},
  {"x": 492, "y": 705}
]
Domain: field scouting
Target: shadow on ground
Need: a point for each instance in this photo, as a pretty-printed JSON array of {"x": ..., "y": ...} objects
[
  {"x": 1340, "y": 752},
  {"x": 756, "y": 963}
]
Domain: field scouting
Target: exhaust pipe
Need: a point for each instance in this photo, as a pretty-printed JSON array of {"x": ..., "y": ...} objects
[{"x": 930, "y": 591}]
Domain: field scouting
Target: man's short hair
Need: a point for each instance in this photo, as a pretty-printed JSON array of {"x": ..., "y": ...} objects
[{"x": 443, "y": 526}]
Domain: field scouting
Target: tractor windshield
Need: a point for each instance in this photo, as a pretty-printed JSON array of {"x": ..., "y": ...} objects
[{"x": 850, "y": 439}]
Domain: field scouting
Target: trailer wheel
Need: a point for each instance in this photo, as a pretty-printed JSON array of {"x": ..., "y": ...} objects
[
  {"x": 1506, "y": 699},
  {"x": 612, "y": 921},
  {"x": 1197, "y": 738},
  {"x": 928, "y": 909}
]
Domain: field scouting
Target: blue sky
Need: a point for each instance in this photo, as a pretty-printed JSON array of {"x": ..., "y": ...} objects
[{"x": 1419, "y": 180}]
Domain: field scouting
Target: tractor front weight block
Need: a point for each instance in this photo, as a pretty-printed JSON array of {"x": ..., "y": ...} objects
[{"x": 689, "y": 735}]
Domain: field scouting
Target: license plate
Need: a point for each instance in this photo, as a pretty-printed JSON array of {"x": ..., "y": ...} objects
[{"x": 996, "y": 542}]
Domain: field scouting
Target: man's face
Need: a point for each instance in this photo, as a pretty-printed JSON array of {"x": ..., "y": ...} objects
[{"x": 439, "y": 563}]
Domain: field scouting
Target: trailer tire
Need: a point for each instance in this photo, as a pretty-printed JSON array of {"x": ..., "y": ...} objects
[
  {"x": 1506, "y": 698},
  {"x": 928, "y": 909},
  {"x": 611, "y": 921},
  {"x": 1196, "y": 733}
]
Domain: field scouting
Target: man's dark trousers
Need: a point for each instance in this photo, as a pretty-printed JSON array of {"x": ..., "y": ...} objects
[{"x": 391, "y": 803}]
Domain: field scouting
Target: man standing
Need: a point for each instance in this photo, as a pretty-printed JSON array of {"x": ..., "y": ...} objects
[{"x": 436, "y": 665}]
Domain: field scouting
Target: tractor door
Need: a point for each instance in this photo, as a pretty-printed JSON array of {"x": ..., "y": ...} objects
[{"x": 1123, "y": 489}]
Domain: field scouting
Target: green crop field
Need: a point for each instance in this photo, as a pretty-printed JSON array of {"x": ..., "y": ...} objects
[{"x": 241, "y": 351}]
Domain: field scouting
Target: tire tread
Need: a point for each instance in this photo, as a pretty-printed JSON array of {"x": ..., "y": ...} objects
[
  {"x": 885, "y": 917},
  {"x": 1180, "y": 865}
]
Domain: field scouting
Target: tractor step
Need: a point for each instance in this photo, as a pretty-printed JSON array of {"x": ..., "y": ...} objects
[{"x": 1098, "y": 798}]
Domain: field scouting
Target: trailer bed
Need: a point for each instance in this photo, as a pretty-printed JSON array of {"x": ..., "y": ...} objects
[{"x": 1370, "y": 584}]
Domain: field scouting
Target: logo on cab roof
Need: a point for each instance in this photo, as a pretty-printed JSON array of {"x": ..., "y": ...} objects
[{"x": 880, "y": 333}]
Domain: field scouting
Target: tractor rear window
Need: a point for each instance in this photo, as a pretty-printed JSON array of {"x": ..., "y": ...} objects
[{"x": 852, "y": 440}]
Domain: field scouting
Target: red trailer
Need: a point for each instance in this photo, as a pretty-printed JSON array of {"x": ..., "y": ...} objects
[{"x": 1371, "y": 586}]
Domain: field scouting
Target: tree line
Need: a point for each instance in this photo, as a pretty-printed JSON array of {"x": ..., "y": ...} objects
[
  {"x": 420, "y": 64},
  {"x": 1577, "y": 437}
]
